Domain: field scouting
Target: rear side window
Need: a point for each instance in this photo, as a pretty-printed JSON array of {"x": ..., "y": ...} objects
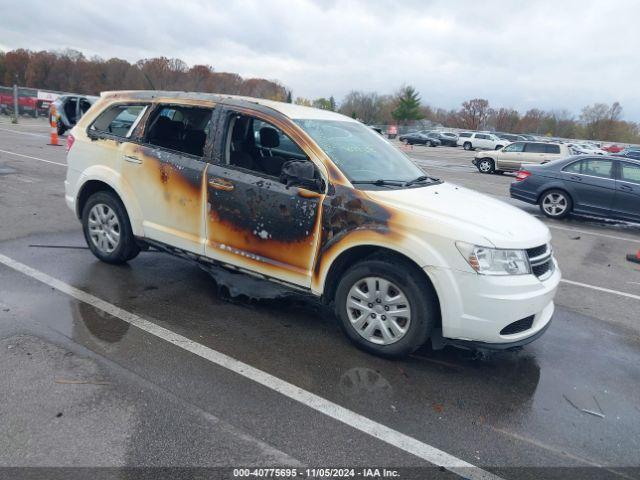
[
  {"x": 535, "y": 148},
  {"x": 180, "y": 128},
  {"x": 117, "y": 121},
  {"x": 592, "y": 167},
  {"x": 630, "y": 172},
  {"x": 550, "y": 148}
]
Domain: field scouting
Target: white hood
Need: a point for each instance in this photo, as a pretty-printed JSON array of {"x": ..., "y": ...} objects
[{"x": 448, "y": 209}]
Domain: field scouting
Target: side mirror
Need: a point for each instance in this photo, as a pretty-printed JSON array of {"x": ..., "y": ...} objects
[{"x": 300, "y": 173}]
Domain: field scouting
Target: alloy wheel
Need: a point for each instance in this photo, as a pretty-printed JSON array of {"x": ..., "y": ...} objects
[
  {"x": 555, "y": 204},
  {"x": 378, "y": 310},
  {"x": 104, "y": 228}
]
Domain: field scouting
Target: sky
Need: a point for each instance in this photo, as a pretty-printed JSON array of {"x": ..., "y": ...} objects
[{"x": 554, "y": 55}]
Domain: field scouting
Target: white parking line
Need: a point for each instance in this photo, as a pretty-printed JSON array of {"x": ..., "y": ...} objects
[
  {"x": 33, "y": 158},
  {"x": 601, "y": 289},
  {"x": 597, "y": 234},
  {"x": 311, "y": 400},
  {"x": 24, "y": 133}
]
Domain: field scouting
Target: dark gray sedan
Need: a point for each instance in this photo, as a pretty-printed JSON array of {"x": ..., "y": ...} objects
[{"x": 602, "y": 186}]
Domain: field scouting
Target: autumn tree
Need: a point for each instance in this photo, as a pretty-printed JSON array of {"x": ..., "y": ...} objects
[{"x": 474, "y": 113}]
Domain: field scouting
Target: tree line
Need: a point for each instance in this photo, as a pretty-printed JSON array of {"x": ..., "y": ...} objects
[
  {"x": 598, "y": 121},
  {"x": 71, "y": 71}
]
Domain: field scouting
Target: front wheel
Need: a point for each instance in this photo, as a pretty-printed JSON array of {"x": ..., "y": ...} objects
[
  {"x": 386, "y": 307},
  {"x": 486, "y": 165},
  {"x": 556, "y": 204},
  {"x": 107, "y": 229}
]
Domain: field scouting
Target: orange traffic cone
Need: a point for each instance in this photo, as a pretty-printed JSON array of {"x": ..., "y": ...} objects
[
  {"x": 54, "y": 130},
  {"x": 634, "y": 258}
]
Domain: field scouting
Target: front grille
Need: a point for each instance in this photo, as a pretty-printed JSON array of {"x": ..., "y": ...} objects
[
  {"x": 540, "y": 270},
  {"x": 541, "y": 261},
  {"x": 536, "y": 251},
  {"x": 518, "y": 326}
]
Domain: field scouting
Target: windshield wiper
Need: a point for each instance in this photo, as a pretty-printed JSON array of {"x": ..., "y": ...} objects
[
  {"x": 420, "y": 179},
  {"x": 379, "y": 182}
]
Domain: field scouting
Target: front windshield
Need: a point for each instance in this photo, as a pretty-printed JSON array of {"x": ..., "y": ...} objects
[{"x": 359, "y": 152}]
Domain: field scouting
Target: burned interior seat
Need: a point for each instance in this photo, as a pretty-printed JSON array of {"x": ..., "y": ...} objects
[
  {"x": 269, "y": 138},
  {"x": 239, "y": 155},
  {"x": 194, "y": 141}
]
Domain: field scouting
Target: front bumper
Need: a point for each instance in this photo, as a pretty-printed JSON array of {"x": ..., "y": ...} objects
[{"x": 476, "y": 308}]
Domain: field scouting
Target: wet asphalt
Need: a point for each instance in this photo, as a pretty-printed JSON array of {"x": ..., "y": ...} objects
[{"x": 80, "y": 387}]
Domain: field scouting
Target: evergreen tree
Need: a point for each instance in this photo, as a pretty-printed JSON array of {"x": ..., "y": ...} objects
[{"x": 408, "y": 108}]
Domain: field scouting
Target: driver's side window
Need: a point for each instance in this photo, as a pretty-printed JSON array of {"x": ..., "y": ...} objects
[
  {"x": 259, "y": 146},
  {"x": 514, "y": 147}
]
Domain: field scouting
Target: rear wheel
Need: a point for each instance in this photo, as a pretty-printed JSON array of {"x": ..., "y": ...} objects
[
  {"x": 486, "y": 165},
  {"x": 556, "y": 204},
  {"x": 107, "y": 229},
  {"x": 61, "y": 128},
  {"x": 385, "y": 307},
  {"x": 467, "y": 145}
]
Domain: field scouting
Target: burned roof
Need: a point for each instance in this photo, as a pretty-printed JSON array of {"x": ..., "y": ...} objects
[{"x": 290, "y": 110}]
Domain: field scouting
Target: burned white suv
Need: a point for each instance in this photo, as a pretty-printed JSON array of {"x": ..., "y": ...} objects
[{"x": 315, "y": 201}]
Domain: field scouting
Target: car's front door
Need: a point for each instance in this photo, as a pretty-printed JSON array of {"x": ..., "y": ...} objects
[
  {"x": 591, "y": 184},
  {"x": 510, "y": 157},
  {"x": 254, "y": 220},
  {"x": 626, "y": 203},
  {"x": 165, "y": 171}
]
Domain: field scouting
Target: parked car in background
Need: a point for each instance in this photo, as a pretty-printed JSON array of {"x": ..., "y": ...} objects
[
  {"x": 607, "y": 187},
  {"x": 480, "y": 141},
  {"x": 449, "y": 139},
  {"x": 430, "y": 139},
  {"x": 316, "y": 201},
  {"x": 629, "y": 152},
  {"x": 68, "y": 109},
  {"x": 512, "y": 137},
  {"x": 528, "y": 136},
  {"x": 612, "y": 148},
  {"x": 511, "y": 157},
  {"x": 585, "y": 149}
]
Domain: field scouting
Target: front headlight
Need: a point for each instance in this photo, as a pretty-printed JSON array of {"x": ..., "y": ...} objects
[{"x": 495, "y": 261}]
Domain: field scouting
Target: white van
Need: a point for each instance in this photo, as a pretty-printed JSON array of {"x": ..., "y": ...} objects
[{"x": 315, "y": 201}]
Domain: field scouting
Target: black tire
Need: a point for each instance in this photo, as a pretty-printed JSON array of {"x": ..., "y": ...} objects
[
  {"x": 420, "y": 294},
  {"x": 126, "y": 248},
  {"x": 561, "y": 193},
  {"x": 429, "y": 143},
  {"x": 61, "y": 128},
  {"x": 467, "y": 146},
  {"x": 486, "y": 165}
]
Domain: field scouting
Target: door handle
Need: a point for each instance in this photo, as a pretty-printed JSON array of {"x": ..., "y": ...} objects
[
  {"x": 626, "y": 188},
  {"x": 132, "y": 159},
  {"x": 220, "y": 184}
]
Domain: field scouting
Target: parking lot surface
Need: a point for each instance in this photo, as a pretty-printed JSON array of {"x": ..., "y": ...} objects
[{"x": 148, "y": 364}]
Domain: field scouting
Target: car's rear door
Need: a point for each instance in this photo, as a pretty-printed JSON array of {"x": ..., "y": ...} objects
[
  {"x": 534, "y": 152},
  {"x": 481, "y": 141},
  {"x": 552, "y": 152},
  {"x": 626, "y": 203},
  {"x": 254, "y": 221},
  {"x": 591, "y": 184},
  {"x": 165, "y": 170}
]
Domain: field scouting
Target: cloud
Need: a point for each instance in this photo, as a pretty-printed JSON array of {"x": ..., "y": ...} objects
[{"x": 547, "y": 54}]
